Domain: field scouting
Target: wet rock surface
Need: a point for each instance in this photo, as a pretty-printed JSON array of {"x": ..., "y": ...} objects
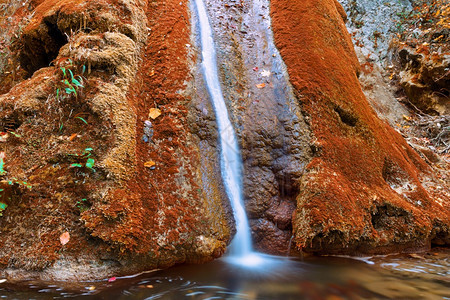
[{"x": 274, "y": 138}]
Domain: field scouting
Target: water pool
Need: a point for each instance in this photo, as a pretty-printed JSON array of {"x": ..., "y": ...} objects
[{"x": 424, "y": 276}]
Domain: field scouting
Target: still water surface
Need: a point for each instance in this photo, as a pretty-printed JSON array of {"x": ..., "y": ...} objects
[{"x": 424, "y": 276}]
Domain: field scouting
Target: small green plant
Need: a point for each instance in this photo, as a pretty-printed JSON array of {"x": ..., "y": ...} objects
[
  {"x": 9, "y": 182},
  {"x": 2, "y": 164},
  {"x": 13, "y": 180},
  {"x": 82, "y": 205},
  {"x": 70, "y": 83},
  {"x": 61, "y": 124},
  {"x": 84, "y": 121},
  {"x": 89, "y": 164},
  {"x": 86, "y": 153},
  {"x": 15, "y": 134},
  {"x": 22, "y": 183},
  {"x": 3, "y": 206}
]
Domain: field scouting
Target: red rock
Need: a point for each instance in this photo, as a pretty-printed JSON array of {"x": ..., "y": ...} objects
[{"x": 366, "y": 190}]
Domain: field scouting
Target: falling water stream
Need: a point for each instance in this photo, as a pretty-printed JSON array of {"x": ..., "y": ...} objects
[{"x": 230, "y": 157}]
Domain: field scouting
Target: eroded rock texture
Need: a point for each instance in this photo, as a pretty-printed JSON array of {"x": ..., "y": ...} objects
[
  {"x": 425, "y": 77},
  {"x": 273, "y": 135},
  {"x": 365, "y": 190},
  {"x": 82, "y": 155}
]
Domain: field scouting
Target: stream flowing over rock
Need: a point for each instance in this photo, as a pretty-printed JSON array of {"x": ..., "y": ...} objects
[{"x": 109, "y": 158}]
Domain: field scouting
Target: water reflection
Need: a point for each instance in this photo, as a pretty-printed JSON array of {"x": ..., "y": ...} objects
[{"x": 393, "y": 277}]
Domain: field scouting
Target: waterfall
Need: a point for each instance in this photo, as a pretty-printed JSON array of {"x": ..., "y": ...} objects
[
  {"x": 230, "y": 157},
  {"x": 240, "y": 253}
]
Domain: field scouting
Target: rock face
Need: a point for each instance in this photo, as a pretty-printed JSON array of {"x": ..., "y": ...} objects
[
  {"x": 82, "y": 155},
  {"x": 425, "y": 77},
  {"x": 372, "y": 25},
  {"x": 406, "y": 42},
  {"x": 273, "y": 135},
  {"x": 365, "y": 190}
]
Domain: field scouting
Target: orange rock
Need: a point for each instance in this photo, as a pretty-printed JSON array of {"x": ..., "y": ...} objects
[{"x": 363, "y": 191}]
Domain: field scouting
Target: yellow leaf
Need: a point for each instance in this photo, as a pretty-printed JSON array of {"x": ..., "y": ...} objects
[
  {"x": 407, "y": 118},
  {"x": 261, "y": 85},
  {"x": 64, "y": 238},
  {"x": 154, "y": 113},
  {"x": 149, "y": 164}
]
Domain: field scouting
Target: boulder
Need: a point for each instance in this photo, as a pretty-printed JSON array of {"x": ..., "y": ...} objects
[{"x": 365, "y": 190}]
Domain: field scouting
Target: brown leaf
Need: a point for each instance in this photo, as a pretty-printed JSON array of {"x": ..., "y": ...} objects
[
  {"x": 154, "y": 113},
  {"x": 417, "y": 256},
  {"x": 261, "y": 85},
  {"x": 64, "y": 238}
]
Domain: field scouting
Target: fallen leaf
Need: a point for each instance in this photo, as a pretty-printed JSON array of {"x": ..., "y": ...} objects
[
  {"x": 407, "y": 118},
  {"x": 154, "y": 113},
  {"x": 265, "y": 73},
  {"x": 149, "y": 286},
  {"x": 64, "y": 238},
  {"x": 417, "y": 256},
  {"x": 255, "y": 69},
  {"x": 3, "y": 137},
  {"x": 112, "y": 279},
  {"x": 72, "y": 137},
  {"x": 261, "y": 85},
  {"x": 91, "y": 288},
  {"x": 438, "y": 38},
  {"x": 149, "y": 164}
]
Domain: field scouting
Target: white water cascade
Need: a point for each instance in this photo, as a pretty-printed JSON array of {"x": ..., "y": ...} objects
[{"x": 230, "y": 157}]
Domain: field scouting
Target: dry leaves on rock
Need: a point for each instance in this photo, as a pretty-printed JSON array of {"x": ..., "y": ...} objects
[
  {"x": 149, "y": 164},
  {"x": 154, "y": 113},
  {"x": 64, "y": 238}
]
